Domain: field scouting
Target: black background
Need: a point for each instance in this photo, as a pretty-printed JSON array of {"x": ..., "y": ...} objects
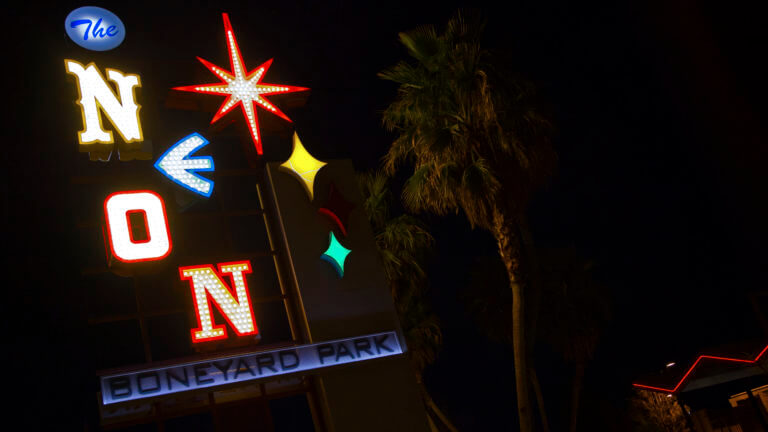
[{"x": 659, "y": 108}]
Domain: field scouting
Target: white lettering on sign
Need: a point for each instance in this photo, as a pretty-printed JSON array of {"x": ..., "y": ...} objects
[
  {"x": 235, "y": 309},
  {"x": 246, "y": 367},
  {"x": 122, "y": 235},
  {"x": 96, "y": 97}
]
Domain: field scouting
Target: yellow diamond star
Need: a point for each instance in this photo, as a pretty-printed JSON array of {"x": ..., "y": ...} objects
[{"x": 303, "y": 165}]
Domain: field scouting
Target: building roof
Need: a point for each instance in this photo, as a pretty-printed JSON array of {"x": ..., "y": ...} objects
[{"x": 718, "y": 365}]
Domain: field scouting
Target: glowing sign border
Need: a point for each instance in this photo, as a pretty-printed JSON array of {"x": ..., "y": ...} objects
[
  {"x": 118, "y": 254},
  {"x": 307, "y": 357}
]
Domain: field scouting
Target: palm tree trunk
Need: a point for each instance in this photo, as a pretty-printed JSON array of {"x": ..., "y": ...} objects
[
  {"x": 539, "y": 399},
  {"x": 435, "y": 409},
  {"x": 533, "y": 298},
  {"x": 578, "y": 375},
  {"x": 432, "y": 426},
  {"x": 509, "y": 249}
]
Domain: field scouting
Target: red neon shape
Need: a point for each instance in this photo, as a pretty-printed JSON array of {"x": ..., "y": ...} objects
[
  {"x": 207, "y": 296},
  {"x": 701, "y": 357},
  {"x": 250, "y": 88},
  {"x": 337, "y": 208},
  {"x": 131, "y": 227},
  {"x": 108, "y": 233},
  {"x": 334, "y": 218}
]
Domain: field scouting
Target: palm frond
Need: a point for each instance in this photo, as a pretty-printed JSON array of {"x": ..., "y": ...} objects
[
  {"x": 415, "y": 191},
  {"x": 377, "y": 197},
  {"x": 403, "y": 243},
  {"x": 422, "y": 44},
  {"x": 453, "y": 108}
]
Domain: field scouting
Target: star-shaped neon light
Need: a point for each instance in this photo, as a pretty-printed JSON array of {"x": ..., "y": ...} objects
[
  {"x": 241, "y": 87},
  {"x": 336, "y": 254},
  {"x": 303, "y": 165}
]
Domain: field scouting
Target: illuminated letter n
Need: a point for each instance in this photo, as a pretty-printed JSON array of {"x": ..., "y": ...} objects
[
  {"x": 96, "y": 96},
  {"x": 235, "y": 309}
]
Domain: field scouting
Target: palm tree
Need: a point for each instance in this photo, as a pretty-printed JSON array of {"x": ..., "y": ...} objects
[
  {"x": 489, "y": 302},
  {"x": 654, "y": 411},
  {"x": 403, "y": 244},
  {"x": 477, "y": 145},
  {"x": 577, "y": 310}
]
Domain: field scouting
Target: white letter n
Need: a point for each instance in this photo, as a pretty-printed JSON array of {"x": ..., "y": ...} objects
[
  {"x": 95, "y": 94},
  {"x": 236, "y": 308}
]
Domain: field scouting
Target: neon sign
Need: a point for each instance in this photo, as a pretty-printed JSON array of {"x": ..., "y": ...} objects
[
  {"x": 236, "y": 310},
  {"x": 303, "y": 165},
  {"x": 123, "y": 239},
  {"x": 336, "y": 254},
  {"x": 96, "y": 97},
  {"x": 176, "y": 164},
  {"x": 137, "y": 230},
  {"x": 241, "y": 87},
  {"x": 337, "y": 208},
  {"x": 246, "y": 367},
  {"x": 94, "y": 28}
]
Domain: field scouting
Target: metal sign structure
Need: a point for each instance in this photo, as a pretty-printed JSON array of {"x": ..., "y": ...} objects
[{"x": 246, "y": 367}]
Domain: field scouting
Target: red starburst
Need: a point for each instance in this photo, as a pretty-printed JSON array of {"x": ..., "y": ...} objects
[{"x": 241, "y": 88}]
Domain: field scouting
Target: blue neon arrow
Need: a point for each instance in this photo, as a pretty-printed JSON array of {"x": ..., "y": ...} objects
[{"x": 177, "y": 166}]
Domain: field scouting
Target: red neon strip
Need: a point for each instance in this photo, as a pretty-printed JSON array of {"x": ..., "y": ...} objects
[
  {"x": 701, "y": 357},
  {"x": 132, "y": 230},
  {"x": 334, "y": 218}
]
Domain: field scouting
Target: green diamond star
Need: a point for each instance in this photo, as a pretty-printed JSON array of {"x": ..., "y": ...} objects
[{"x": 336, "y": 254}]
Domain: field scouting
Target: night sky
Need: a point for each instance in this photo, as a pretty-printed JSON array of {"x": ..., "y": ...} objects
[{"x": 659, "y": 109}]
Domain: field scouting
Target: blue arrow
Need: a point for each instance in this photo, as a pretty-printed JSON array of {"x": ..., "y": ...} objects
[{"x": 177, "y": 166}]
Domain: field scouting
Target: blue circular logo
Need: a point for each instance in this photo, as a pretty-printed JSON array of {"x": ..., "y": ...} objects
[{"x": 94, "y": 28}]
